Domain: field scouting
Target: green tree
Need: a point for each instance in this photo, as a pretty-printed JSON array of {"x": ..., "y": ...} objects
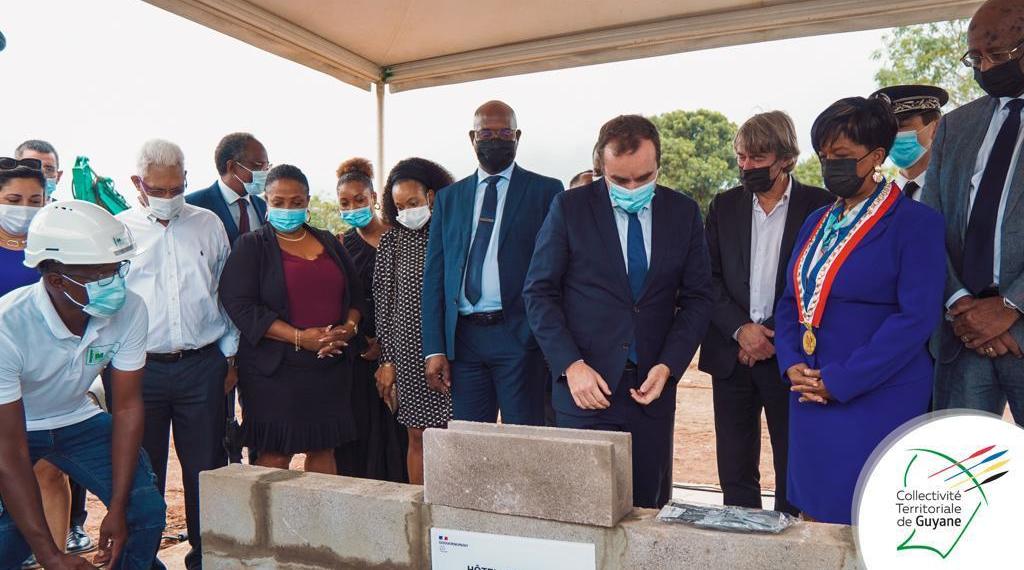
[
  {"x": 324, "y": 214},
  {"x": 928, "y": 54},
  {"x": 696, "y": 153},
  {"x": 808, "y": 171}
]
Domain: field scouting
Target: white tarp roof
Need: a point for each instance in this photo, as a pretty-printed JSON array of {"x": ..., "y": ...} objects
[{"x": 420, "y": 43}]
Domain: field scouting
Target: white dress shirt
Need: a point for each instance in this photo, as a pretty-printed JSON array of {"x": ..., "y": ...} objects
[
  {"x": 490, "y": 284},
  {"x": 766, "y": 229},
  {"x": 49, "y": 368},
  {"x": 178, "y": 276},
  {"x": 902, "y": 180},
  {"x": 232, "y": 199},
  {"x": 998, "y": 118}
]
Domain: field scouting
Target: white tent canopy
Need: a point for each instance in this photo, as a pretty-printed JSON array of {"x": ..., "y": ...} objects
[{"x": 409, "y": 44}]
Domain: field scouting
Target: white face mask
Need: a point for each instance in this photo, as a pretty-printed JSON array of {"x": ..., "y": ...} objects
[
  {"x": 166, "y": 208},
  {"x": 414, "y": 218},
  {"x": 15, "y": 219}
]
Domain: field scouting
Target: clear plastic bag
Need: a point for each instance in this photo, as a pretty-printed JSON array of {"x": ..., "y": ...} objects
[{"x": 733, "y": 519}]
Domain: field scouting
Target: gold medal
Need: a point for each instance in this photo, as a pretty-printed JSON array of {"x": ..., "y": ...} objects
[{"x": 810, "y": 342}]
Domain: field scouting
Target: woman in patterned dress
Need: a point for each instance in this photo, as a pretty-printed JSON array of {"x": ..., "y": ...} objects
[{"x": 397, "y": 288}]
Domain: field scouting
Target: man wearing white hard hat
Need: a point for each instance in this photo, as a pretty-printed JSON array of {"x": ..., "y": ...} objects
[
  {"x": 55, "y": 337},
  {"x": 191, "y": 344}
]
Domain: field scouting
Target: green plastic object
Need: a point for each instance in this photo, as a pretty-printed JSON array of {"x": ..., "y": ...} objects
[{"x": 87, "y": 185}]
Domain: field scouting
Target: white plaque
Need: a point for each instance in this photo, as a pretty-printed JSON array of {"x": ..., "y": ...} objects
[{"x": 463, "y": 550}]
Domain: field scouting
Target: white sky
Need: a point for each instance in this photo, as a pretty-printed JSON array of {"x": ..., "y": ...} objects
[{"x": 99, "y": 78}]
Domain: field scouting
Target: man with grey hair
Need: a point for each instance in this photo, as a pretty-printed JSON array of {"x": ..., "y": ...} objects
[
  {"x": 751, "y": 230},
  {"x": 192, "y": 343}
]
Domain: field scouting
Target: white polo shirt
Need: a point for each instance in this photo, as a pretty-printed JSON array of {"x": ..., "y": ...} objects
[{"x": 49, "y": 368}]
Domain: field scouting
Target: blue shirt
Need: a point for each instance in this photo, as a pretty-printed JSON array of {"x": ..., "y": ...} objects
[
  {"x": 490, "y": 298},
  {"x": 622, "y": 225},
  {"x": 13, "y": 273}
]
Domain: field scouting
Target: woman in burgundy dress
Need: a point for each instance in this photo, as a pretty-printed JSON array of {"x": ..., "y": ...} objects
[{"x": 294, "y": 294}]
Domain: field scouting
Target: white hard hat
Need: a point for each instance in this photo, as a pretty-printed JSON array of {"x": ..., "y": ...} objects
[{"x": 75, "y": 232}]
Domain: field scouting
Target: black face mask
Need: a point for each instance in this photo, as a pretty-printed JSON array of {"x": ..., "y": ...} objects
[
  {"x": 840, "y": 175},
  {"x": 1003, "y": 80},
  {"x": 495, "y": 155},
  {"x": 758, "y": 180}
]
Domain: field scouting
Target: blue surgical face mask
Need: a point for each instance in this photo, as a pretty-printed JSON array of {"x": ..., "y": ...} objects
[
  {"x": 358, "y": 218},
  {"x": 285, "y": 220},
  {"x": 104, "y": 300},
  {"x": 259, "y": 181},
  {"x": 906, "y": 150},
  {"x": 633, "y": 200},
  {"x": 51, "y": 187}
]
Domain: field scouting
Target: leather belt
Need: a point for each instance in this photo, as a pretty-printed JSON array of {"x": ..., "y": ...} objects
[
  {"x": 167, "y": 357},
  {"x": 484, "y": 319}
]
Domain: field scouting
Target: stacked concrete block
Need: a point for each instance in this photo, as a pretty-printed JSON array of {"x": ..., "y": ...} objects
[{"x": 573, "y": 476}]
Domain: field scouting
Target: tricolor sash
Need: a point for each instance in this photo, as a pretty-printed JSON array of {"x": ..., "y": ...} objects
[{"x": 812, "y": 282}]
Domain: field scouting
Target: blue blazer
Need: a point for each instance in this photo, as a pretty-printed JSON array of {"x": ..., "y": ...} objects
[
  {"x": 527, "y": 201},
  {"x": 580, "y": 304},
  {"x": 211, "y": 199},
  {"x": 885, "y": 302}
]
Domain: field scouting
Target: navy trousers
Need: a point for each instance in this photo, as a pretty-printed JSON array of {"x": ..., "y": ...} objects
[
  {"x": 652, "y": 440},
  {"x": 492, "y": 371}
]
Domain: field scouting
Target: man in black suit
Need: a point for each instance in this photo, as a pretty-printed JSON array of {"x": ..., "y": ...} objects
[
  {"x": 751, "y": 230},
  {"x": 618, "y": 296},
  {"x": 243, "y": 165}
]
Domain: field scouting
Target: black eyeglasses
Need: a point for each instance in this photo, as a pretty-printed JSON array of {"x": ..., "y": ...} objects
[
  {"x": 975, "y": 59},
  {"x": 7, "y": 163},
  {"x": 490, "y": 134},
  {"x": 102, "y": 280}
]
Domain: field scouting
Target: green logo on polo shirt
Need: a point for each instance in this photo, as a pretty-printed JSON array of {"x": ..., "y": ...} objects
[{"x": 101, "y": 354}]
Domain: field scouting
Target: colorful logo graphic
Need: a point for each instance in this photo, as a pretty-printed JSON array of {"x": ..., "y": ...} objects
[
  {"x": 941, "y": 491},
  {"x": 947, "y": 491}
]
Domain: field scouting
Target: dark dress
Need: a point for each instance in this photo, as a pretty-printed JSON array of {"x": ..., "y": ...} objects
[
  {"x": 292, "y": 402},
  {"x": 398, "y": 289},
  {"x": 381, "y": 445},
  {"x": 13, "y": 273}
]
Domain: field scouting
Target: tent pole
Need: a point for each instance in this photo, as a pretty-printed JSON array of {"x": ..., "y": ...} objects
[{"x": 380, "y": 136}]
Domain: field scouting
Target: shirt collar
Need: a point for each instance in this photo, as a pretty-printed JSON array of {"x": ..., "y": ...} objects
[
  {"x": 785, "y": 195},
  {"x": 229, "y": 195},
  {"x": 506, "y": 174},
  {"x": 1004, "y": 101}
]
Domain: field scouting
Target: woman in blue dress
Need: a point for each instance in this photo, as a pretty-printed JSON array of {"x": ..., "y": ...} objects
[
  {"x": 21, "y": 196},
  {"x": 864, "y": 293}
]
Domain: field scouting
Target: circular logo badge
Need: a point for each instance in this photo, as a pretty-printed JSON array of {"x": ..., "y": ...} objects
[{"x": 945, "y": 490}]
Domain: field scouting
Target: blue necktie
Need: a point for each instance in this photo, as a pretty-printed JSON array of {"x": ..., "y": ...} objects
[
  {"x": 636, "y": 266},
  {"x": 979, "y": 239},
  {"x": 478, "y": 251}
]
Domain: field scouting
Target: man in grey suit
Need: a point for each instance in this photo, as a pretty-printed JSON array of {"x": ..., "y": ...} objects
[{"x": 977, "y": 172}]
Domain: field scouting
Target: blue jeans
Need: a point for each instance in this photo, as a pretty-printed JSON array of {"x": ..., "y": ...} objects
[{"x": 83, "y": 451}]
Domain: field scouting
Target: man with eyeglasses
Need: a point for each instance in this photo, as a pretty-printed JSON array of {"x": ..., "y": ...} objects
[
  {"x": 475, "y": 333},
  {"x": 974, "y": 180},
  {"x": 47, "y": 155},
  {"x": 55, "y": 337},
  {"x": 243, "y": 165},
  {"x": 191, "y": 345}
]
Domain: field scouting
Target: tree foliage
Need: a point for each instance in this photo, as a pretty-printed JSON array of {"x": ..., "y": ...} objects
[
  {"x": 325, "y": 214},
  {"x": 928, "y": 54},
  {"x": 696, "y": 153},
  {"x": 808, "y": 171}
]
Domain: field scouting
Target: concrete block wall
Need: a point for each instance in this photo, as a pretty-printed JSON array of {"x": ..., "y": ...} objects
[{"x": 256, "y": 518}]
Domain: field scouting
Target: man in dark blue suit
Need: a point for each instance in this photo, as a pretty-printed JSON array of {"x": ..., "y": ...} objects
[
  {"x": 242, "y": 164},
  {"x": 475, "y": 335},
  {"x": 619, "y": 295}
]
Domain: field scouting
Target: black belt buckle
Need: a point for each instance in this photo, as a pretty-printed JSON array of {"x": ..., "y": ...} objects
[{"x": 485, "y": 319}]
